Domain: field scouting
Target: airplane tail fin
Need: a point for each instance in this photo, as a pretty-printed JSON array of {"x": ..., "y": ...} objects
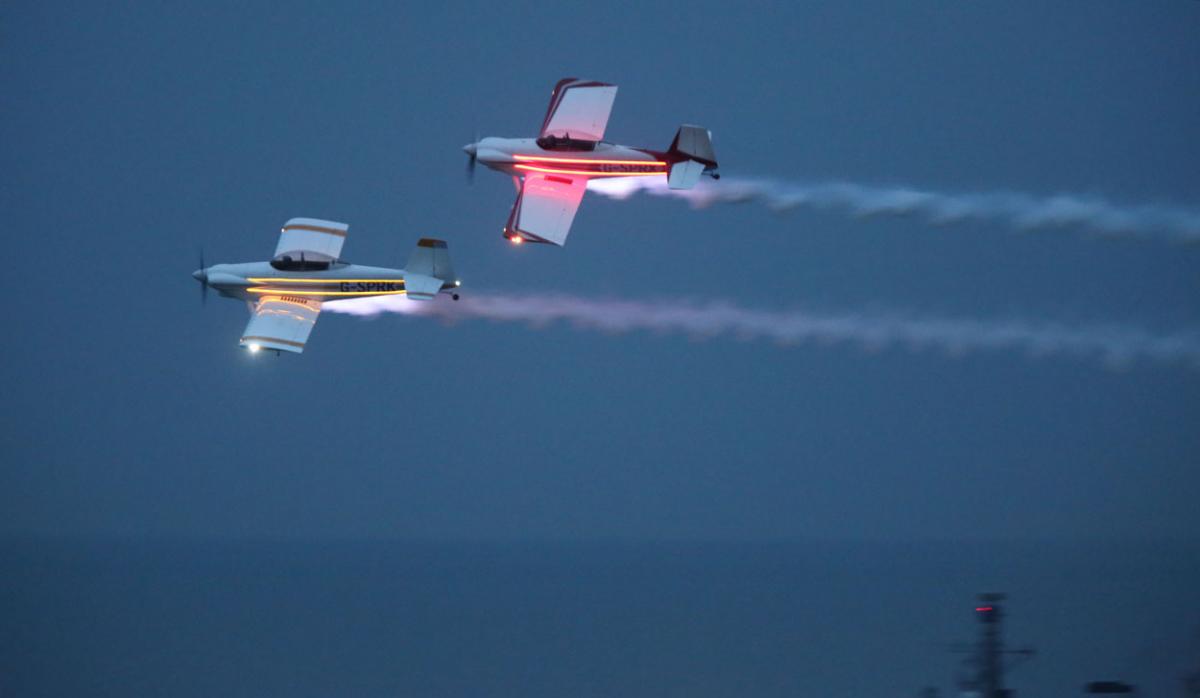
[
  {"x": 691, "y": 155},
  {"x": 429, "y": 270}
]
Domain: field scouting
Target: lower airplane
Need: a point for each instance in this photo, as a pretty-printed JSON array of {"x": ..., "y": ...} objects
[
  {"x": 551, "y": 171},
  {"x": 285, "y": 294}
]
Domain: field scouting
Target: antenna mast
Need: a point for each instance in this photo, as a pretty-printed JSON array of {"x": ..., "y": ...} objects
[{"x": 989, "y": 660}]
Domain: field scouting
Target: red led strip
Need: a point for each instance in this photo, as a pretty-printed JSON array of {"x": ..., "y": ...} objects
[
  {"x": 585, "y": 161},
  {"x": 587, "y": 173}
]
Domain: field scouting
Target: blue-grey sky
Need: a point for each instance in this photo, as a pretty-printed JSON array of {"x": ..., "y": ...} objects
[{"x": 133, "y": 134}]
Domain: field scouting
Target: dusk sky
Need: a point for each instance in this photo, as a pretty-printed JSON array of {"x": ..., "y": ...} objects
[{"x": 136, "y": 134}]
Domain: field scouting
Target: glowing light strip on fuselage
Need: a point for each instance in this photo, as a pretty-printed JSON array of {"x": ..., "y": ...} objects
[
  {"x": 587, "y": 173},
  {"x": 284, "y": 280},
  {"x": 587, "y": 161},
  {"x": 289, "y": 292}
]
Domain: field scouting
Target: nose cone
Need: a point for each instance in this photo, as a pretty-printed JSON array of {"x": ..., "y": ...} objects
[
  {"x": 199, "y": 275},
  {"x": 470, "y": 149}
]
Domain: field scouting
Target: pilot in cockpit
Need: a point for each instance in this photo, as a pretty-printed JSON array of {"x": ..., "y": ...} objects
[{"x": 286, "y": 262}]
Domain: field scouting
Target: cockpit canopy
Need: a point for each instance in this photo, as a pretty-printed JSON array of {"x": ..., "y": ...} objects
[
  {"x": 286, "y": 262},
  {"x": 565, "y": 142}
]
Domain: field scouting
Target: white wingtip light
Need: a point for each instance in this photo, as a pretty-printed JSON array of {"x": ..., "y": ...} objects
[{"x": 253, "y": 348}]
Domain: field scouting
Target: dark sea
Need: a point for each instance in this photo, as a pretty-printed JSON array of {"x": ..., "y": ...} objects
[{"x": 583, "y": 619}]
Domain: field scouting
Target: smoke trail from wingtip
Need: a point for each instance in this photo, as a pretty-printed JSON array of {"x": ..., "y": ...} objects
[
  {"x": 1020, "y": 211},
  {"x": 1112, "y": 344}
]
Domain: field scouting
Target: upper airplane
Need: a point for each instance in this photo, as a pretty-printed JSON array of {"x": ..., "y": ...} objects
[
  {"x": 285, "y": 294},
  {"x": 551, "y": 172}
]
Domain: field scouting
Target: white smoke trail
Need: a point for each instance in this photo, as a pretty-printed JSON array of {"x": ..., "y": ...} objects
[
  {"x": 1021, "y": 211},
  {"x": 1115, "y": 345}
]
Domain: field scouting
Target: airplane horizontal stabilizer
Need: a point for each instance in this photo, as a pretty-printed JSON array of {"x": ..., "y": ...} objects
[
  {"x": 420, "y": 287},
  {"x": 685, "y": 174}
]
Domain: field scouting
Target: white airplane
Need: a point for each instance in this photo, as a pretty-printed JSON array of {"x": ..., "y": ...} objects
[
  {"x": 285, "y": 294},
  {"x": 551, "y": 172}
]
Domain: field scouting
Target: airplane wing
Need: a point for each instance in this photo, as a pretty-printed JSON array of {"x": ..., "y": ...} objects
[
  {"x": 316, "y": 239},
  {"x": 546, "y": 207},
  {"x": 580, "y": 109},
  {"x": 281, "y": 323}
]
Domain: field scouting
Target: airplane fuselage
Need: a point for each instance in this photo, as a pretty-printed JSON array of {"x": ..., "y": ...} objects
[
  {"x": 254, "y": 280},
  {"x": 520, "y": 156},
  {"x": 552, "y": 171}
]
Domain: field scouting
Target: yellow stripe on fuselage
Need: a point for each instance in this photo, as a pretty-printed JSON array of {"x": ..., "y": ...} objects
[{"x": 291, "y": 292}]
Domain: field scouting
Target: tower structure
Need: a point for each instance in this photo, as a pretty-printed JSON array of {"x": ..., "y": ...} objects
[{"x": 988, "y": 659}]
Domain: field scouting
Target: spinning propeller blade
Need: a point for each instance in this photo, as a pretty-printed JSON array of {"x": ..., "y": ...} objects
[
  {"x": 471, "y": 158},
  {"x": 201, "y": 275}
]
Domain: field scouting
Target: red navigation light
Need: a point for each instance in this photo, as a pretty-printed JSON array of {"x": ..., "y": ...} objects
[{"x": 983, "y": 609}]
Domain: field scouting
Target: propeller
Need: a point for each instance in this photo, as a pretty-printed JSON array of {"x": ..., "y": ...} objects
[
  {"x": 470, "y": 150},
  {"x": 201, "y": 275}
]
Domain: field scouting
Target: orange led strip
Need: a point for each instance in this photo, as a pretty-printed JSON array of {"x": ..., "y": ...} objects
[
  {"x": 587, "y": 173},
  {"x": 288, "y": 292},
  {"x": 585, "y": 161}
]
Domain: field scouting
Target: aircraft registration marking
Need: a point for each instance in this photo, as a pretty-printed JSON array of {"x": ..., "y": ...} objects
[{"x": 371, "y": 286}]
